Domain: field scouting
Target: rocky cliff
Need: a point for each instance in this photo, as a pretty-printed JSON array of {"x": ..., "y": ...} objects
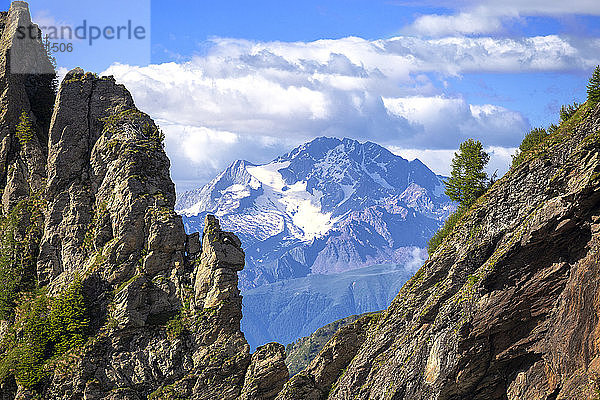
[
  {"x": 506, "y": 308},
  {"x": 103, "y": 294}
]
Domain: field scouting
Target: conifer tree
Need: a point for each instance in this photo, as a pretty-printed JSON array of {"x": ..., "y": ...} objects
[
  {"x": 468, "y": 180},
  {"x": 24, "y": 129},
  {"x": 68, "y": 319},
  {"x": 593, "y": 88}
]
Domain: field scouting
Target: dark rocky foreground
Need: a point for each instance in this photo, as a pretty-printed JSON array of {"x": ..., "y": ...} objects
[{"x": 104, "y": 296}]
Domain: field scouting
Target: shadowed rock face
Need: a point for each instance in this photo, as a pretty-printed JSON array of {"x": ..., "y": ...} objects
[
  {"x": 316, "y": 381},
  {"x": 23, "y": 160},
  {"x": 508, "y": 306},
  {"x": 164, "y": 308},
  {"x": 267, "y": 373}
]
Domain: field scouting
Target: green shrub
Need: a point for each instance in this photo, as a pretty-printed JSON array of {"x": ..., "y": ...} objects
[
  {"x": 440, "y": 235},
  {"x": 532, "y": 139},
  {"x": 175, "y": 327},
  {"x": 68, "y": 320},
  {"x": 151, "y": 139},
  {"x": 20, "y": 234},
  {"x": 35, "y": 346}
]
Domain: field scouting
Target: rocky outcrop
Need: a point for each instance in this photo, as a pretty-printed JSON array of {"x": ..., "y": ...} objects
[
  {"x": 507, "y": 307},
  {"x": 106, "y": 297},
  {"x": 27, "y": 82},
  {"x": 267, "y": 373},
  {"x": 300, "y": 353},
  {"x": 316, "y": 381},
  {"x": 221, "y": 259}
]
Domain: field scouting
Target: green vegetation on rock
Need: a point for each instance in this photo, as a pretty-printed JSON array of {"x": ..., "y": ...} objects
[
  {"x": 152, "y": 137},
  {"x": 68, "y": 319},
  {"x": 20, "y": 233},
  {"x": 24, "y": 129},
  {"x": 301, "y": 352},
  {"x": 532, "y": 139},
  {"x": 466, "y": 184},
  {"x": 45, "y": 328},
  {"x": 175, "y": 326},
  {"x": 449, "y": 225},
  {"x": 566, "y": 112}
]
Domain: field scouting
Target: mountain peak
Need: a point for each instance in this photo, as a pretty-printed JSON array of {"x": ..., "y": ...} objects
[
  {"x": 313, "y": 196},
  {"x": 320, "y": 146}
]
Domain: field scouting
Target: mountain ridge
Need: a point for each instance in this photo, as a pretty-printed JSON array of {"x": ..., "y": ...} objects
[{"x": 326, "y": 206}]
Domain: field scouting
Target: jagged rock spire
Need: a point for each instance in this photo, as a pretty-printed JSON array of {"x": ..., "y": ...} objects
[
  {"x": 26, "y": 94},
  {"x": 222, "y": 257}
]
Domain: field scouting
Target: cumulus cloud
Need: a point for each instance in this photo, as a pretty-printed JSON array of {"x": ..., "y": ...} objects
[
  {"x": 486, "y": 17},
  {"x": 254, "y": 100},
  {"x": 199, "y": 153},
  {"x": 446, "y": 121},
  {"x": 463, "y": 23},
  {"x": 540, "y": 7}
]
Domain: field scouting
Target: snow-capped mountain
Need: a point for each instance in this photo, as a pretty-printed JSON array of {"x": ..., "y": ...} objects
[{"x": 328, "y": 206}]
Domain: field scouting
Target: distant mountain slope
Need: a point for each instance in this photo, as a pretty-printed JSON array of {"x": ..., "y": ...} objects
[
  {"x": 287, "y": 310},
  {"x": 300, "y": 353},
  {"x": 328, "y": 206}
]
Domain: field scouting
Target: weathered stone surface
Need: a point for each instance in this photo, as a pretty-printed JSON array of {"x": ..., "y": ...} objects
[
  {"x": 266, "y": 374},
  {"x": 301, "y": 386},
  {"x": 316, "y": 380},
  {"x": 507, "y": 307},
  {"x": 300, "y": 353},
  {"x": 216, "y": 277},
  {"x": 23, "y": 91},
  {"x": 164, "y": 309},
  {"x": 192, "y": 244}
]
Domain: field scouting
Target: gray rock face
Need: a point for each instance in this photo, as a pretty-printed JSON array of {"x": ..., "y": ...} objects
[
  {"x": 108, "y": 185},
  {"x": 221, "y": 259},
  {"x": 316, "y": 381},
  {"x": 23, "y": 94},
  {"x": 163, "y": 308},
  {"x": 267, "y": 373}
]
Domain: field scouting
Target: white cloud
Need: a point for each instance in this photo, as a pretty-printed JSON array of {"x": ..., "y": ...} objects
[
  {"x": 254, "y": 100},
  {"x": 541, "y": 7},
  {"x": 463, "y": 23},
  {"x": 448, "y": 120},
  {"x": 486, "y": 17}
]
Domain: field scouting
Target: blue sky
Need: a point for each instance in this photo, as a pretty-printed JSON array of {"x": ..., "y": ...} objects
[{"x": 241, "y": 79}]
